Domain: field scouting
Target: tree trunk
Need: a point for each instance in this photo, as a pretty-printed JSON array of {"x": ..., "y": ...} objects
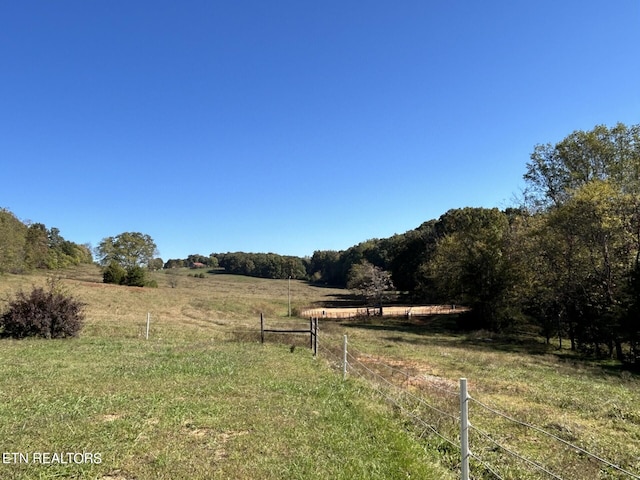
[{"x": 619, "y": 352}]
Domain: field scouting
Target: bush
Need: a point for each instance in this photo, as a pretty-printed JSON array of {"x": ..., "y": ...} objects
[
  {"x": 114, "y": 273},
  {"x": 135, "y": 277},
  {"x": 48, "y": 313},
  {"x": 132, "y": 277}
]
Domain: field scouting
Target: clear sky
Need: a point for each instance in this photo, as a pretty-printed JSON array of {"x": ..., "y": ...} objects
[{"x": 294, "y": 126}]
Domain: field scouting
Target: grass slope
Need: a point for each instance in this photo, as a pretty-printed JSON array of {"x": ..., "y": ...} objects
[
  {"x": 203, "y": 399},
  {"x": 187, "y": 403}
]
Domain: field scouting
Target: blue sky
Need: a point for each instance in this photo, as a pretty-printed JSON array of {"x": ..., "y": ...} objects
[{"x": 293, "y": 126}]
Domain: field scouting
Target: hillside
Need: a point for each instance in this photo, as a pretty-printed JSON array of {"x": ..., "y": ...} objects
[{"x": 201, "y": 398}]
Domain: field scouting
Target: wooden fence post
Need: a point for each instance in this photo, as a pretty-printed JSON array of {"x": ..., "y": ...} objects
[{"x": 261, "y": 328}]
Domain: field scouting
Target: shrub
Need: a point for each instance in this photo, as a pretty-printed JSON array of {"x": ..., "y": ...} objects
[
  {"x": 114, "y": 273},
  {"x": 49, "y": 313},
  {"x": 135, "y": 277}
]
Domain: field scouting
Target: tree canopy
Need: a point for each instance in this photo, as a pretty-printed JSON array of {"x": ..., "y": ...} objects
[
  {"x": 129, "y": 250},
  {"x": 24, "y": 247},
  {"x": 566, "y": 261}
]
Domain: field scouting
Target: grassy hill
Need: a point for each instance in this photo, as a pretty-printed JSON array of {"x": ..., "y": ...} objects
[
  {"x": 199, "y": 399},
  {"x": 202, "y": 398}
]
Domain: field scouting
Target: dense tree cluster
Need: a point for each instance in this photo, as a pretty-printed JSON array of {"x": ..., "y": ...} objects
[
  {"x": 567, "y": 260},
  {"x": 25, "y": 247},
  {"x": 264, "y": 265},
  {"x": 193, "y": 261}
]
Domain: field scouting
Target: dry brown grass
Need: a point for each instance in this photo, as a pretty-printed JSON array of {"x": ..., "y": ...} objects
[{"x": 230, "y": 303}]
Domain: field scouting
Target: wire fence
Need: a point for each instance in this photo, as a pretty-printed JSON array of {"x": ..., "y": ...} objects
[{"x": 501, "y": 446}]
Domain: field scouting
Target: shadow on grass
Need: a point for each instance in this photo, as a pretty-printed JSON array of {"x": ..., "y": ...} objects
[
  {"x": 341, "y": 300},
  {"x": 444, "y": 331}
]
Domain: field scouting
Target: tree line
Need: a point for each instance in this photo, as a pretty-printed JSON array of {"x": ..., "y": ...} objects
[
  {"x": 566, "y": 260},
  {"x": 29, "y": 246}
]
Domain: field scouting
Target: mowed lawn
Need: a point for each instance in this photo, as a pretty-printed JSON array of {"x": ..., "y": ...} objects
[{"x": 201, "y": 398}]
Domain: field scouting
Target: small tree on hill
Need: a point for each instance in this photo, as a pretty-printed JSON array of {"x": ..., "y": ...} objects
[
  {"x": 371, "y": 282},
  {"x": 47, "y": 313}
]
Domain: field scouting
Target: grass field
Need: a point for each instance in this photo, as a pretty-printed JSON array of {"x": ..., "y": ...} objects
[
  {"x": 199, "y": 399},
  {"x": 202, "y": 398}
]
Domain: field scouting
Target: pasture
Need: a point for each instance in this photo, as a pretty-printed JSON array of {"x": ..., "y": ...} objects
[{"x": 203, "y": 399}]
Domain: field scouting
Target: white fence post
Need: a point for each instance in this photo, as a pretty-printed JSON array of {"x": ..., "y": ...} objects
[
  {"x": 148, "y": 321},
  {"x": 344, "y": 358},
  {"x": 464, "y": 429}
]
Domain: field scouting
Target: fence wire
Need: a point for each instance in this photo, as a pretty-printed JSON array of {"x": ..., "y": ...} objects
[
  {"x": 360, "y": 364},
  {"x": 513, "y": 453},
  {"x": 550, "y": 435},
  {"x": 394, "y": 401},
  {"x": 411, "y": 404}
]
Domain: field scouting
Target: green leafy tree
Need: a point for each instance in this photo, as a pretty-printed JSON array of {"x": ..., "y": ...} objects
[
  {"x": 411, "y": 254},
  {"x": 471, "y": 266},
  {"x": 556, "y": 171},
  {"x": 129, "y": 249},
  {"x": 156, "y": 264},
  {"x": 587, "y": 187},
  {"x": 174, "y": 263},
  {"x": 131, "y": 252},
  {"x": 325, "y": 267},
  {"x": 37, "y": 246},
  {"x": 135, "y": 277},
  {"x": 12, "y": 243}
]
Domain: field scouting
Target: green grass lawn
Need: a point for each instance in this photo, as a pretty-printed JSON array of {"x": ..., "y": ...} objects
[{"x": 195, "y": 409}]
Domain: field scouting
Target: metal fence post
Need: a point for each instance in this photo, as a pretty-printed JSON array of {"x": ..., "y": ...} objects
[
  {"x": 464, "y": 429},
  {"x": 344, "y": 358},
  {"x": 148, "y": 321}
]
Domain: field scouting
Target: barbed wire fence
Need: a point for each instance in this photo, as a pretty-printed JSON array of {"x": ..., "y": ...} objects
[{"x": 500, "y": 446}]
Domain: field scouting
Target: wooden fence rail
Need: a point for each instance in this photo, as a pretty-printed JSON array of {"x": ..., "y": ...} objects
[{"x": 312, "y": 331}]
